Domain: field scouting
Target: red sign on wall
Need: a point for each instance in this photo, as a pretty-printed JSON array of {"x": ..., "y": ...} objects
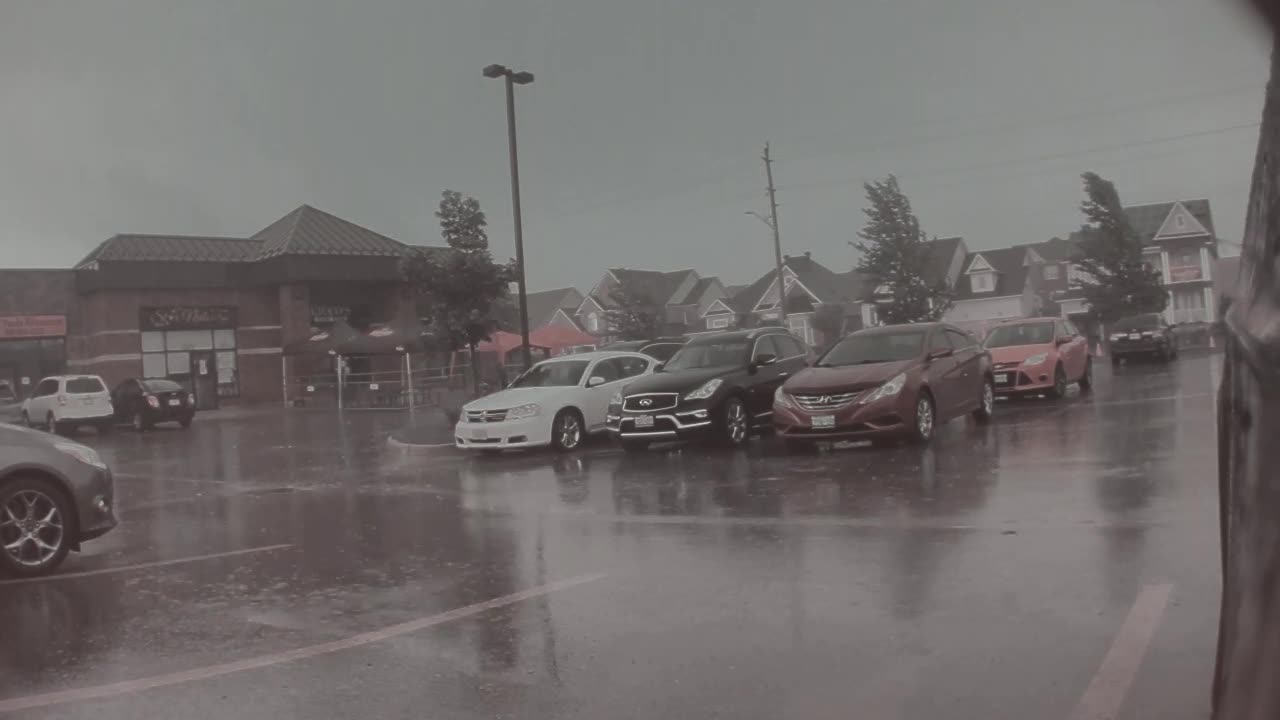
[{"x": 32, "y": 326}]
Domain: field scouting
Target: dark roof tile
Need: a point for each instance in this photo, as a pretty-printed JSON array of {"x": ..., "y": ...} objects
[
  {"x": 1147, "y": 219},
  {"x": 308, "y": 231},
  {"x": 1011, "y": 273},
  {"x": 172, "y": 248}
]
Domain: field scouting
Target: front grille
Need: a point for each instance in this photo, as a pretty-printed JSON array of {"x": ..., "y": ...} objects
[
  {"x": 486, "y": 416},
  {"x": 650, "y": 402},
  {"x": 1005, "y": 365},
  {"x": 826, "y": 402}
]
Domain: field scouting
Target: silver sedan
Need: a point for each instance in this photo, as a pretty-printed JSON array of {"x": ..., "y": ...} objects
[{"x": 54, "y": 495}]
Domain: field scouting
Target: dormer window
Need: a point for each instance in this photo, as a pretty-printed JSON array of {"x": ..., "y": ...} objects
[{"x": 980, "y": 282}]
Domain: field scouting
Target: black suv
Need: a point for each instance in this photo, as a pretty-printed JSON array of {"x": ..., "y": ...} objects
[
  {"x": 719, "y": 386},
  {"x": 660, "y": 349},
  {"x": 1147, "y": 334}
]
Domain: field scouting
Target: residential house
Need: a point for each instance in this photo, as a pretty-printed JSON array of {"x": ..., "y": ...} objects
[
  {"x": 680, "y": 298},
  {"x": 1179, "y": 242},
  {"x": 553, "y": 308},
  {"x": 808, "y": 286},
  {"x": 997, "y": 284}
]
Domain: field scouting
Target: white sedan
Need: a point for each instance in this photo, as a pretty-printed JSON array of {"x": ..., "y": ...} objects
[{"x": 556, "y": 402}]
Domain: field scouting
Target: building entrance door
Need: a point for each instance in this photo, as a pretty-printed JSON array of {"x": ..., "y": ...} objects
[{"x": 204, "y": 379}]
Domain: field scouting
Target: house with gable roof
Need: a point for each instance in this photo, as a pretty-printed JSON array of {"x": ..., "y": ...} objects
[{"x": 679, "y": 298}]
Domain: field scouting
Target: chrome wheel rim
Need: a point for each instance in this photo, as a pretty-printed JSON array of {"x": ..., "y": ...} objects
[
  {"x": 736, "y": 422},
  {"x": 988, "y": 398},
  {"x": 31, "y": 528},
  {"x": 924, "y": 417},
  {"x": 570, "y": 431}
]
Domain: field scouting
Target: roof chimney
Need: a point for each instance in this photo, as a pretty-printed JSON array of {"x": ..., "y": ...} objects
[{"x": 807, "y": 255}]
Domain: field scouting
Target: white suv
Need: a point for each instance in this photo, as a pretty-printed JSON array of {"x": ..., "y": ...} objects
[{"x": 66, "y": 402}]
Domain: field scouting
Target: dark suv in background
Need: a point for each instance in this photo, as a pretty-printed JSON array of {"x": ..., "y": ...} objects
[
  {"x": 718, "y": 386},
  {"x": 661, "y": 349},
  {"x": 1142, "y": 335}
]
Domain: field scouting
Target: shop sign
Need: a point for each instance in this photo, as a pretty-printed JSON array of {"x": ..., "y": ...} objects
[
  {"x": 32, "y": 326},
  {"x": 186, "y": 317},
  {"x": 329, "y": 314}
]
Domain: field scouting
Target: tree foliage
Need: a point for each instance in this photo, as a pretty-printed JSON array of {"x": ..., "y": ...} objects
[
  {"x": 895, "y": 258},
  {"x": 461, "y": 290},
  {"x": 1117, "y": 282},
  {"x": 634, "y": 315},
  {"x": 828, "y": 319}
]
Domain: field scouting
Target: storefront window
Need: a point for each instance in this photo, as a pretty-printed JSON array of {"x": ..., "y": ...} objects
[{"x": 168, "y": 354}]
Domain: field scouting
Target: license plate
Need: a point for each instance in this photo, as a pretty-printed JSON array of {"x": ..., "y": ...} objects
[
  {"x": 1002, "y": 377},
  {"x": 644, "y": 421},
  {"x": 824, "y": 421},
  {"x": 175, "y": 403},
  {"x": 479, "y": 434},
  {"x": 1135, "y": 336}
]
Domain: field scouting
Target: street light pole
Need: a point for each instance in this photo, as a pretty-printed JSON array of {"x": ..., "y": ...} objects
[{"x": 511, "y": 79}]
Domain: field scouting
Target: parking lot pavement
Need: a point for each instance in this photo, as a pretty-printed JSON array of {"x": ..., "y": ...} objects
[{"x": 1060, "y": 562}]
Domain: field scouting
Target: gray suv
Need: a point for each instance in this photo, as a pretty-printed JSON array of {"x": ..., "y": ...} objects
[{"x": 54, "y": 495}]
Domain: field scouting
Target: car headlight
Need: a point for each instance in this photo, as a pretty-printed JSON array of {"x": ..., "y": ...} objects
[
  {"x": 889, "y": 389},
  {"x": 85, "y": 455},
  {"x": 780, "y": 398},
  {"x": 707, "y": 390},
  {"x": 523, "y": 411},
  {"x": 1036, "y": 359},
  {"x": 616, "y": 399}
]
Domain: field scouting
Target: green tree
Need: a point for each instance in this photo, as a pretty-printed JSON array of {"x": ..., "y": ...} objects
[
  {"x": 1116, "y": 281},
  {"x": 634, "y": 315},
  {"x": 828, "y": 319},
  {"x": 460, "y": 289},
  {"x": 895, "y": 258}
]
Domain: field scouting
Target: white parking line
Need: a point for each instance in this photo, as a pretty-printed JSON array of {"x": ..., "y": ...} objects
[
  {"x": 302, "y": 653},
  {"x": 144, "y": 566},
  {"x": 1105, "y": 695}
]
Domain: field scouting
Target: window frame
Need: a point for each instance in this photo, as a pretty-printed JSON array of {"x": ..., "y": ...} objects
[{"x": 755, "y": 348}]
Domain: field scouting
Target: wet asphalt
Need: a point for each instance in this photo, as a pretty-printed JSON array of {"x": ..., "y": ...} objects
[{"x": 288, "y": 565}]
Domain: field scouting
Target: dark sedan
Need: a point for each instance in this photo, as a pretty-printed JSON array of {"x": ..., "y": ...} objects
[
  {"x": 719, "y": 386},
  {"x": 145, "y": 402},
  {"x": 891, "y": 382},
  {"x": 1146, "y": 335},
  {"x": 54, "y": 495}
]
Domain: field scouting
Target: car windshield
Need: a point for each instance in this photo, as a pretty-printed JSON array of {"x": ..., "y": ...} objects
[
  {"x": 663, "y": 351},
  {"x": 161, "y": 386},
  {"x": 1020, "y": 334},
  {"x": 562, "y": 373},
  {"x": 1150, "y": 321},
  {"x": 84, "y": 386},
  {"x": 875, "y": 347},
  {"x": 718, "y": 353}
]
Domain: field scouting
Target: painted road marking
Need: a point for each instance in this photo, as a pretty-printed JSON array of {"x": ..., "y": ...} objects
[
  {"x": 302, "y": 653},
  {"x": 1106, "y": 693},
  {"x": 144, "y": 566}
]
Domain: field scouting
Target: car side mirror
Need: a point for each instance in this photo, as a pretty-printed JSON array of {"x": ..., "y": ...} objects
[
  {"x": 1063, "y": 340},
  {"x": 595, "y": 380},
  {"x": 764, "y": 359},
  {"x": 941, "y": 353},
  {"x": 659, "y": 367}
]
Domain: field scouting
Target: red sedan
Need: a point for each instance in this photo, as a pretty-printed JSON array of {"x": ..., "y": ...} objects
[
  {"x": 889, "y": 382},
  {"x": 1039, "y": 356}
]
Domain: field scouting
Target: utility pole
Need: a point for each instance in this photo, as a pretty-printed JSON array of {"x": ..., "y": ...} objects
[{"x": 777, "y": 243}]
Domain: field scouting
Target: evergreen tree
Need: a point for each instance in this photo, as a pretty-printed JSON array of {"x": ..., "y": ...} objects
[
  {"x": 633, "y": 315},
  {"x": 1117, "y": 282},
  {"x": 895, "y": 258}
]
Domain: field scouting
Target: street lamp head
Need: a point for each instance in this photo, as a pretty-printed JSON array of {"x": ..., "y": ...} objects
[
  {"x": 495, "y": 71},
  {"x": 522, "y": 78}
]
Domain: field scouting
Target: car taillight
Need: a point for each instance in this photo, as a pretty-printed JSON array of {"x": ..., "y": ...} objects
[
  {"x": 153, "y": 401},
  {"x": 62, "y": 399}
]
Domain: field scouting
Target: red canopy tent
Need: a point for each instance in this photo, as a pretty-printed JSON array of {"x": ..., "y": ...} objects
[{"x": 557, "y": 338}]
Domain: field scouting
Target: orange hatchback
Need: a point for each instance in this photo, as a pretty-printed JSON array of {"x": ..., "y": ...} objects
[{"x": 1039, "y": 356}]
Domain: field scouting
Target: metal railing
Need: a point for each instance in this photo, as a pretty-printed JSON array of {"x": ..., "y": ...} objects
[{"x": 378, "y": 390}]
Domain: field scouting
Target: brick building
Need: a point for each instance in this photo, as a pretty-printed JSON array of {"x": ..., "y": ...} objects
[{"x": 216, "y": 313}]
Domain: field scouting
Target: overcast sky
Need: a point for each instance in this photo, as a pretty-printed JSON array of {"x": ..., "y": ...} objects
[{"x": 641, "y": 137}]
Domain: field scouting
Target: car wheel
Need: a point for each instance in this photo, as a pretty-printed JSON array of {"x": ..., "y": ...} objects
[
  {"x": 987, "y": 403},
  {"x": 35, "y": 526},
  {"x": 1086, "y": 379},
  {"x": 734, "y": 424},
  {"x": 634, "y": 446},
  {"x": 51, "y": 424},
  {"x": 1059, "y": 389},
  {"x": 566, "y": 431},
  {"x": 140, "y": 423},
  {"x": 926, "y": 419}
]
